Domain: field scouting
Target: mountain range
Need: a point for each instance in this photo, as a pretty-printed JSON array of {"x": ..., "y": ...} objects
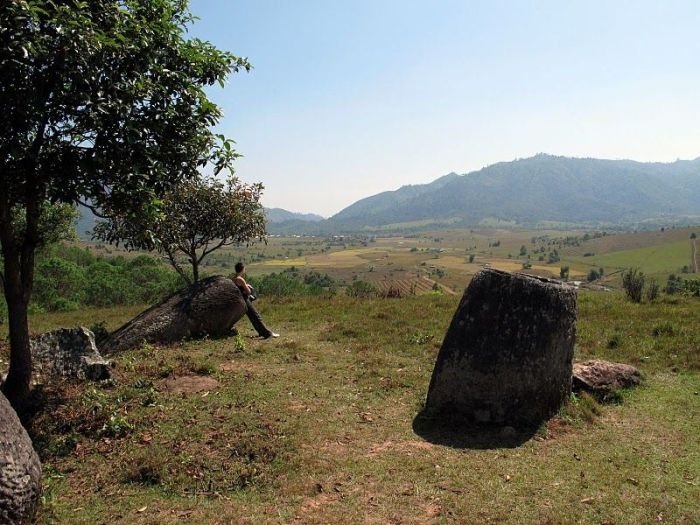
[
  {"x": 544, "y": 190},
  {"x": 540, "y": 191}
]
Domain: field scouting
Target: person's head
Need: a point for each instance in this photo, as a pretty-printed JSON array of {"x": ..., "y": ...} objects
[{"x": 239, "y": 267}]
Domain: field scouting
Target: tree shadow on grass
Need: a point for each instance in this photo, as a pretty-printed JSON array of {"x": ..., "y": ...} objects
[{"x": 459, "y": 434}]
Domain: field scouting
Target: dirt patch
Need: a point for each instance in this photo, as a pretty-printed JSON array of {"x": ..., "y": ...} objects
[
  {"x": 317, "y": 503},
  {"x": 432, "y": 509},
  {"x": 402, "y": 447},
  {"x": 189, "y": 384}
]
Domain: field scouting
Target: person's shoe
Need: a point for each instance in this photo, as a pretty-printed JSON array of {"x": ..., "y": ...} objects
[{"x": 271, "y": 334}]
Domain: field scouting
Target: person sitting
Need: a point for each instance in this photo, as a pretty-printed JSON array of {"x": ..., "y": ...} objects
[{"x": 249, "y": 296}]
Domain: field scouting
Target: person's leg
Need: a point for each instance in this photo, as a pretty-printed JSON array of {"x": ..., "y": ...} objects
[{"x": 256, "y": 320}]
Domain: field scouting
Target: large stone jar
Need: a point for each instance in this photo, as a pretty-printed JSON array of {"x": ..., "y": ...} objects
[{"x": 507, "y": 356}]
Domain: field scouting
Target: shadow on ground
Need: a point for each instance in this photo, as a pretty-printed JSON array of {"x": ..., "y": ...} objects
[{"x": 451, "y": 433}]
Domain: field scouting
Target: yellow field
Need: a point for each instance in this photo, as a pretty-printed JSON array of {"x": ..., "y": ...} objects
[{"x": 285, "y": 263}]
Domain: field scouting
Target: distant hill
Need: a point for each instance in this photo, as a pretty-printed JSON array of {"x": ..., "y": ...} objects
[
  {"x": 85, "y": 223},
  {"x": 283, "y": 222},
  {"x": 275, "y": 215},
  {"x": 540, "y": 190}
]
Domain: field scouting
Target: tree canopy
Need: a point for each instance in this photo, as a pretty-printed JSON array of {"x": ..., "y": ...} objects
[
  {"x": 196, "y": 218},
  {"x": 103, "y": 102}
]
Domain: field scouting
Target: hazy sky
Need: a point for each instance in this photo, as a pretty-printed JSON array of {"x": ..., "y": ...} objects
[{"x": 351, "y": 98}]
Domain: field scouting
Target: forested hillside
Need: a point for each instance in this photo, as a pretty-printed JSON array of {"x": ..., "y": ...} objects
[{"x": 537, "y": 190}]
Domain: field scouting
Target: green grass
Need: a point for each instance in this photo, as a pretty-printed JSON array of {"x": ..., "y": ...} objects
[
  {"x": 656, "y": 261},
  {"x": 316, "y": 426}
]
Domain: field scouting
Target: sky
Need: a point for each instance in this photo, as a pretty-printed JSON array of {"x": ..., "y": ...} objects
[{"x": 347, "y": 99}]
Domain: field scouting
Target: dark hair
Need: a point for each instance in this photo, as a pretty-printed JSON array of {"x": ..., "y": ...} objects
[{"x": 239, "y": 267}]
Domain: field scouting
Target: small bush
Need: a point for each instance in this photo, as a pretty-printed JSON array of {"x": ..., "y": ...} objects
[
  {"x": 614, "y": 342},
  {"x": 674, "y": 284},
  {"x": 633, "y": 284},
  {"x": 665, "y": 328},
  {"x": 581, "y": 408},
  {"x": 691, "y": 288},
  {"x": 238, "y": 344},
  {"x": 652, "y": 290},
  {"x": 116, "y": 426}
]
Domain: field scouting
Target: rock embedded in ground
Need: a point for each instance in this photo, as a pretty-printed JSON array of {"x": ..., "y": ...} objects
[
  {"x": 67, "y": 353},
  {"x": 20, "y": 469},
  {"x": 507, "y": 356},
  {"x": 603, "y": 377},
  {"x": 209, "y": 308}
]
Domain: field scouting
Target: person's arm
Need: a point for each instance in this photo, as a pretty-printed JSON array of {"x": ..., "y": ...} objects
[{"x": 243, "y": 286}]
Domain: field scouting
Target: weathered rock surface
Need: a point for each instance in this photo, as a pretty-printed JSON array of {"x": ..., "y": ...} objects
[
  {"x": 67, "y": 353},
  {"x": 210, "y": 307},
  {"x": 20, "y": 469},
  {"x": 507, "y": 356},
  {"x": 603, "y": 377}
]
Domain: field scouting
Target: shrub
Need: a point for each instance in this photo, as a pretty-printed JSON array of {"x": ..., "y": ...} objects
[
  {"x": 362, "y": 290},
  {"x": 614, "y": 342},
  {"x": 564, "y": 272},
  {"x": 279, "y": 285},
  {"x": 633, "y": 283},
  {"x": 674, "y": 284},
  {"x": 320, "y": 281},
  {"x": 664, "y": 328},
  {"x": 691, "y": 287},
  {"x": 652, "y": 290},
  {"x": 59, "y": 284}
]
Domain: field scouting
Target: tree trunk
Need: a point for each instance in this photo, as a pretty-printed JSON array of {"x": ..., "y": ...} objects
[
  {"x": 16, "y": 386},
  {"x": 195, "y": 270},
  {"x": 17, "y": 280}
]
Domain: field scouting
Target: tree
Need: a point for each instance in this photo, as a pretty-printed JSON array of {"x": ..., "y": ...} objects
[
  {"x": 197, "y": 218},
  {"x": 102, "y": 102}
]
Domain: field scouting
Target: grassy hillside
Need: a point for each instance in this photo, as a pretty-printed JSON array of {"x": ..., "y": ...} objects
[{"x": 316, "y": 426}]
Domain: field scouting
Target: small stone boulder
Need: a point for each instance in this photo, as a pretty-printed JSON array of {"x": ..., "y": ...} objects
[
  {"x": 67, "y": 353},
  {"x": 601, "y": 378},
  {"x": 20, "y": 469},
  {"x": 208, "y": 308},
  {"x": 507, "y": 356}
]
